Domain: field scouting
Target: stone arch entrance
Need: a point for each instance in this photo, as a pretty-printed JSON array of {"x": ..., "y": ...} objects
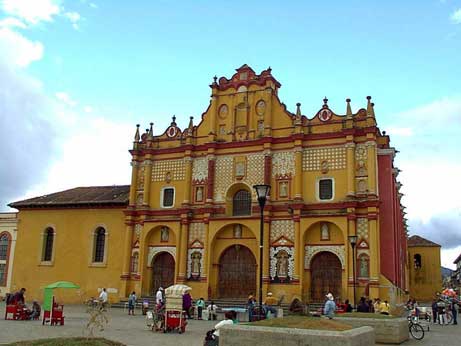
[
  {"x": 162, "y": 271},
  {"x": 237, "y": 272},
  {"x": 326, "y": 275}
]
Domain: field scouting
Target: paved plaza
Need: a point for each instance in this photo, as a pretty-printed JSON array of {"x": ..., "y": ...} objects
[{"x": 132, "y": 330}]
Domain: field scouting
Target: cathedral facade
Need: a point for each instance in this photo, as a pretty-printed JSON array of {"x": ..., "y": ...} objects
[{"x": 190, "y": 214}]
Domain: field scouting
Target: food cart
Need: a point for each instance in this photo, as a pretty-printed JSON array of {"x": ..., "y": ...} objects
[{"x": 175, "y": 317}]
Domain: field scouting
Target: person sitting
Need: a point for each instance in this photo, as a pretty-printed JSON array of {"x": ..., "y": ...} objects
[
  {"x": 212, "y": 311},
  {"x": 348, "y": 306},
  {"x": 363, "y": 306},
  {"x": 18, "y": 297},
  {"x": 226, "y": 321},
  {"x": 296, "y": 306},
  {"x": 270, "y": 303},
  {"x": 384, "y": 308},
  {"x": 376, "y": 305},
  {"x": 35, "y": 312}
]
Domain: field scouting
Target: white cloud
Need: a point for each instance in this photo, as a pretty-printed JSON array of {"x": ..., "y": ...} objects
[
  {"x": 65, "y": 98},
  {"x": 32, "y": 11},
  {"x": 11, "y": 22},
  {"x": 449, "y": 255},
  {"x": 17, "y": 50},
  {"x": 88, "y": 109},
  {"x": 74, "y": 18},
  {"x": 456, "y": 16},
  {"x": 400, "y": 131}
]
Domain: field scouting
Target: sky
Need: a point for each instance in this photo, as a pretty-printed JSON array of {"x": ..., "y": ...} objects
[{"x": 77, "y": 76}]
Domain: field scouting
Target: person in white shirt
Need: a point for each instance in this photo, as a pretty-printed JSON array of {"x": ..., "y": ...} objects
[
  {"x": 159, "y": 296},
  {"x": 212, "y": 311},
  {"x": 226, "y": 321},
  {"x": 103, "y": 298}
]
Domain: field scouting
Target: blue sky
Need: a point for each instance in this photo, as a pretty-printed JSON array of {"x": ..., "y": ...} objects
[{"x": 76, "y": 76}]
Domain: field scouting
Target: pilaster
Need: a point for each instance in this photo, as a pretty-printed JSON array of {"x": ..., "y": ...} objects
[
  {"x": 147, "y": 180},
  {"x": 350, "y": 150},
  {"x": 134, "y": 182},
  {"x": 299, "y": 172}
]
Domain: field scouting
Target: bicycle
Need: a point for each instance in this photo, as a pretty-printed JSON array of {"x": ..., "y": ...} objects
[{"x": 416, "y": 330}]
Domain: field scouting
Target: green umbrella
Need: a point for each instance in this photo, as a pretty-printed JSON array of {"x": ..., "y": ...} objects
[{"x": 48, "y": 296}]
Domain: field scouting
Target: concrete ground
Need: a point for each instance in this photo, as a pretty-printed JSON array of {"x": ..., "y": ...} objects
[{"x": 132, "y": 330}]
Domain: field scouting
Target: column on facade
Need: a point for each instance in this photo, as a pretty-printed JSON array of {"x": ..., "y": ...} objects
[
  {"x": 126, "y": 258},
  {"x": 268, "y": 114},
  {"x": 371, "y": 166},
  {"x": 211, "y": 175},
  {"x": 134, "y": 182},
  {"x": 299, "y": 250},
  {"x": 206, "y": 246},
  {"x": 188, "y": 179},
  {"x": 350, "y": 150},
  {"x": 147, "y": 180},
  {"x": 351, "y": 230},
  {"x": 182, "y": 251},
  {"x": 374, "y": 249},
  {"x": 299, "y": 171},
  {"x": 213, "y": 112},
  {"x": 267, "y": 167}
]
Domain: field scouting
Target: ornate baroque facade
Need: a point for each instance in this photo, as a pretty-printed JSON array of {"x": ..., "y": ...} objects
[{"x": 192, "y": 215}]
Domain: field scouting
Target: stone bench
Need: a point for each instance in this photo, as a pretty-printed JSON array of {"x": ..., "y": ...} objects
[
  {"x": 387, "y": 330},
  {"x": 237, "y": 335}
]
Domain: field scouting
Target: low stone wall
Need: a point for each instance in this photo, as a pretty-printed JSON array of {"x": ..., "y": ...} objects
[
  {"x": 388, "y": 330},
  {"x": 238, "y": 335}
]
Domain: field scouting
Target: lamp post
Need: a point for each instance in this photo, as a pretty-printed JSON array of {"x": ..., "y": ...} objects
[
  {"x": 353, "y": 242},
  {"x": 262, "y": 191}
]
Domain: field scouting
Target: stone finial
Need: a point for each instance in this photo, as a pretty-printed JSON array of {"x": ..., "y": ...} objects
[
  {"x": 298, "y": 110},
  {"x": 370, "y": 111},
  {"x": 348, "y": 108},
  {"x": 191, "y": 123},
  {"x": 325, "y": 102},
  {"x": 173, "y": 122},
  {"x": 151, "y": 130},
  {"x": 136, "y": 135}
]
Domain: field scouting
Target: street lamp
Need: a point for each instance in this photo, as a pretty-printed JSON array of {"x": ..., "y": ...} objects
[
  {"x": 353, "y": 242},
  {"x": 262, "y": 191}
]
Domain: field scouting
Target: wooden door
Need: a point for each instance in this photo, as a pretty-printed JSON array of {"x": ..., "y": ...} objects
[
  {"x": 163, "y": 271},
  {"x": 237, "y": 273},
  {"x": 325, "y": 276}
]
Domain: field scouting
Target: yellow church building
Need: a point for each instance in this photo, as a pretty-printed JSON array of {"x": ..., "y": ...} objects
[{"x": 190, "y": 214}]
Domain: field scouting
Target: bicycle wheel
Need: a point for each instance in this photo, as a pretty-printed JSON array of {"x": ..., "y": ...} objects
[{"x": 416, "y": 331}]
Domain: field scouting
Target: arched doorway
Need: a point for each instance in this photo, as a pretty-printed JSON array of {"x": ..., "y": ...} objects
[
  {"x": 163, "y": 271},
  {"x": 237, "y": 273},
  {"x": 325, "y": 276}
]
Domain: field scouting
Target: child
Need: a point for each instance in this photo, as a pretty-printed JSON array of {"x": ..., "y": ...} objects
[
  {"x": 131, "y": 303},
  {"x": 212, "y": 311},
  {"x": 200, "y": 304}
]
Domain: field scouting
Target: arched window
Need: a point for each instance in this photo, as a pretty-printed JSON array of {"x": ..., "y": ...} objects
[
  {"x": 48, "y": 240},
  {"x": 134, "y": 262},
  {"x": 417, "y": 261},
  {"x": 241, "y": 203},
  {"x": 4, "y": 241},
  {"x": 363, "y": 264},
  {"x": 99, "y": 245}
]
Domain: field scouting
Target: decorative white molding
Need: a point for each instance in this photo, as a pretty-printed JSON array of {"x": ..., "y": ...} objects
[
  {"x": 200, "y": 169},
  {"x": 283, "y": 163},
  {"x": 189, "y": 261},
  {"x": 155, "y": 250},
  {"x": 311, "y": 250},
  {"x": 273, "y": 260},
  {"x": 281, "y": 228},
  {"x": 313, "y": 158}
]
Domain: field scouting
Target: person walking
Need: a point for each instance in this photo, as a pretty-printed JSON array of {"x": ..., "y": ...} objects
[
  {"x": 200, "y": 304},
  {"x": 132, "y": 303},
  {"x": 103, "y": 298},
  {"x": 330, "y": 306},
  {"x": 159, "y": 296}
]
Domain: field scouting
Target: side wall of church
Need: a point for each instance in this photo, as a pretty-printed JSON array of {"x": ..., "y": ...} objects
[
  {"x": 72, "y": 256},
  {"x": 425, "y": 272}
]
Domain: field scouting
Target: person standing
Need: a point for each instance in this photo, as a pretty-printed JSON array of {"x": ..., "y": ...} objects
[
  {"x": 434, "y": 311},
  {"x": 251, "y": 305},
  {"x": 187, "y": 303},
  {"x": 103, "y": 298},
  {"x": 132, "y": 303},
  {"x": 159, "y": 296},
  {"x": 200, "y": 304},
  {"x": 330, "y": 306},
  {"x": 454, "y": 310}
]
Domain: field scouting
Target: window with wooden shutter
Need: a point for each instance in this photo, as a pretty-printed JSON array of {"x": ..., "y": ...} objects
[{"x": 325, "y": 189}]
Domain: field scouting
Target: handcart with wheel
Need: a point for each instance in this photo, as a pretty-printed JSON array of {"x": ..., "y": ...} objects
[{"x": 175, "y": 317}]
